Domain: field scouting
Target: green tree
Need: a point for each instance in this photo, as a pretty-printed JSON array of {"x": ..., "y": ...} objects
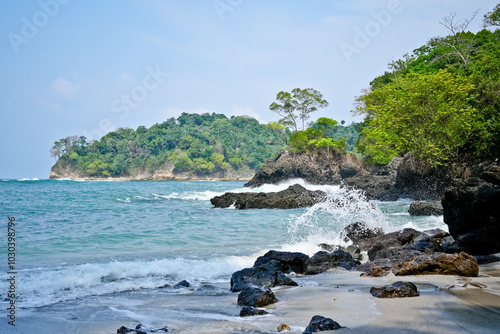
[
  {"x": 492, "y": 18},
  {"x": 429, "y": 115},
  {"x": 303, "y": 101}
]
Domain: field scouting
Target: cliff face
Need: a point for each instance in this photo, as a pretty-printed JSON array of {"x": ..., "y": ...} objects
[
  {"x": 403, "y": 177},
  {"x": 166, "y": 172},
  {"x": 321, "y": 169}
]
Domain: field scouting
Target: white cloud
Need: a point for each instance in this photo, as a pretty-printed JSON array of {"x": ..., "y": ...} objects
[{"x": 64, "y": 87}]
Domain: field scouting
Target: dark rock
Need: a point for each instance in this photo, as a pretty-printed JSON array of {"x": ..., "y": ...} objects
[
  {"x": 426, "y": 244},
  {"x": 291, "y": 261},
  {"x": 322, "y": 261},
  {"x": 426, "y": 209},
  {"x": 182, "y": 284},
  {"x": 256, "y": 296},
  {"x": 385, "y": 241},
  {"x": 472, "y": 213},
  {"x": 374, "y": 186},
  {"x": 319, "y": 324},
  {"x": 396, "y": 290},
  {"x": 360, "y": 230},
  {"x": 141, "y": 329},
  {"x": 248, "y": 311},
  {"x": 461, "y": 264},
  {"x": 266, "y": 275},
  {"x": 319, "y": 169},
  {"x": 328, "y": 248},
  {"x": 408, "y": 235},
  {"x": 293, "y": 197},
  {"x": 211, "y": 290}
]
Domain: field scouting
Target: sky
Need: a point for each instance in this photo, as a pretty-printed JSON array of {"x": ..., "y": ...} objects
[{"x": 74, "y": 67}]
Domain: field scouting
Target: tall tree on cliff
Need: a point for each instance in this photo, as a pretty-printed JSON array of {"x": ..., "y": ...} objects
[{"x": 303, "y": 101}]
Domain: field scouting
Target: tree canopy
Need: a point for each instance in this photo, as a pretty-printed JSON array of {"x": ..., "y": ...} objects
[
  {"x": 440, "y": 103},
  {"x": 198, "y": 144},
  {"x": 303, "y": 101}
]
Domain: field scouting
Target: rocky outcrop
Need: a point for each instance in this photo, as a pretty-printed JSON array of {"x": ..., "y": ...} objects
[
  {"x": 397, "y": 290},
  {"x": 319, "y": 323},
  {"x": 293, "y": 197},
  {"x": 426, "y": 209},
  {"x": 321, "y": 169},
  {"x": 461, "y": 264},
  {"x": 256, "y": 296},
  {"x": 472, "y": 213}
]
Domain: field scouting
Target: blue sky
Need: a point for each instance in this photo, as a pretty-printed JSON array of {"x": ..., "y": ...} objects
[{"x": 74, "y": 67}]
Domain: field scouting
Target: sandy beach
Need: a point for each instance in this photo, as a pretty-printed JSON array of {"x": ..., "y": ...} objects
[{"x": 447, "y": 304}]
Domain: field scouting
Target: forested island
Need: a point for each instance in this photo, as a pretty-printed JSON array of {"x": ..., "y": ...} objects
[{"x": 193, "y": 146}]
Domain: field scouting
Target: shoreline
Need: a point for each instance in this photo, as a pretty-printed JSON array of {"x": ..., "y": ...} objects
[{"x": 447, "y": 304}]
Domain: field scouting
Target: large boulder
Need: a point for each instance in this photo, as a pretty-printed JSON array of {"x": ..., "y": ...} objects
[
  {"x": 397, "y": 290},
  {"x": 295, "y": 196},
  {"x": 324, "y": 168},
  {"x": 256, "y": 296},
  {"x": 266, "y": 275},
  {"x": 472, "y": 213},
  {"x": 461, "y": 264},
  {"x": 290, "y": 261}
]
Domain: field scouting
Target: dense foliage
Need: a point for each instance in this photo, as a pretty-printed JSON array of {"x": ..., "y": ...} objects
[
  {"x": 440, "y": 103},
  {"x": 198, "y": 144}
]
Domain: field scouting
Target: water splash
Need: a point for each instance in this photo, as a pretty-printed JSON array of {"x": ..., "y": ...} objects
[{"x": 324, "y": 222}]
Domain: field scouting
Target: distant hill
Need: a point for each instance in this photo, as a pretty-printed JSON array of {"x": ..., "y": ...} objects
[{"x": 193, "y": 146}]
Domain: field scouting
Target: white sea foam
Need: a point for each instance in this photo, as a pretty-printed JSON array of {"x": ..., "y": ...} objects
[
  {"x": 323, "y": 222},
  {"x": 44, "y": 286}
]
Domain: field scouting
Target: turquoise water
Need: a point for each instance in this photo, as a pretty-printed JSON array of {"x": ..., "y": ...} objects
[{"x": 82, "y": 241}]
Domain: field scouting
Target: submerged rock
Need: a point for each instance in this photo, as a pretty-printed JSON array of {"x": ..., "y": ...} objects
[
  {"x": 256, "y": 296},
  {"x": 249, "y": 311},
  {"x": 397, "y": 290},
  {"x": 319, "y": 323},
  {"x": 182, "y": 284},
  {"x": 426, "y": 209},
  {"x": 293, "y": 197},
  {"x": 141, "y": 329}
]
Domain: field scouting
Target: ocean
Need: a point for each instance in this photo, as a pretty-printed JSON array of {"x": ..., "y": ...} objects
[{"x": 91, "y": 256}]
